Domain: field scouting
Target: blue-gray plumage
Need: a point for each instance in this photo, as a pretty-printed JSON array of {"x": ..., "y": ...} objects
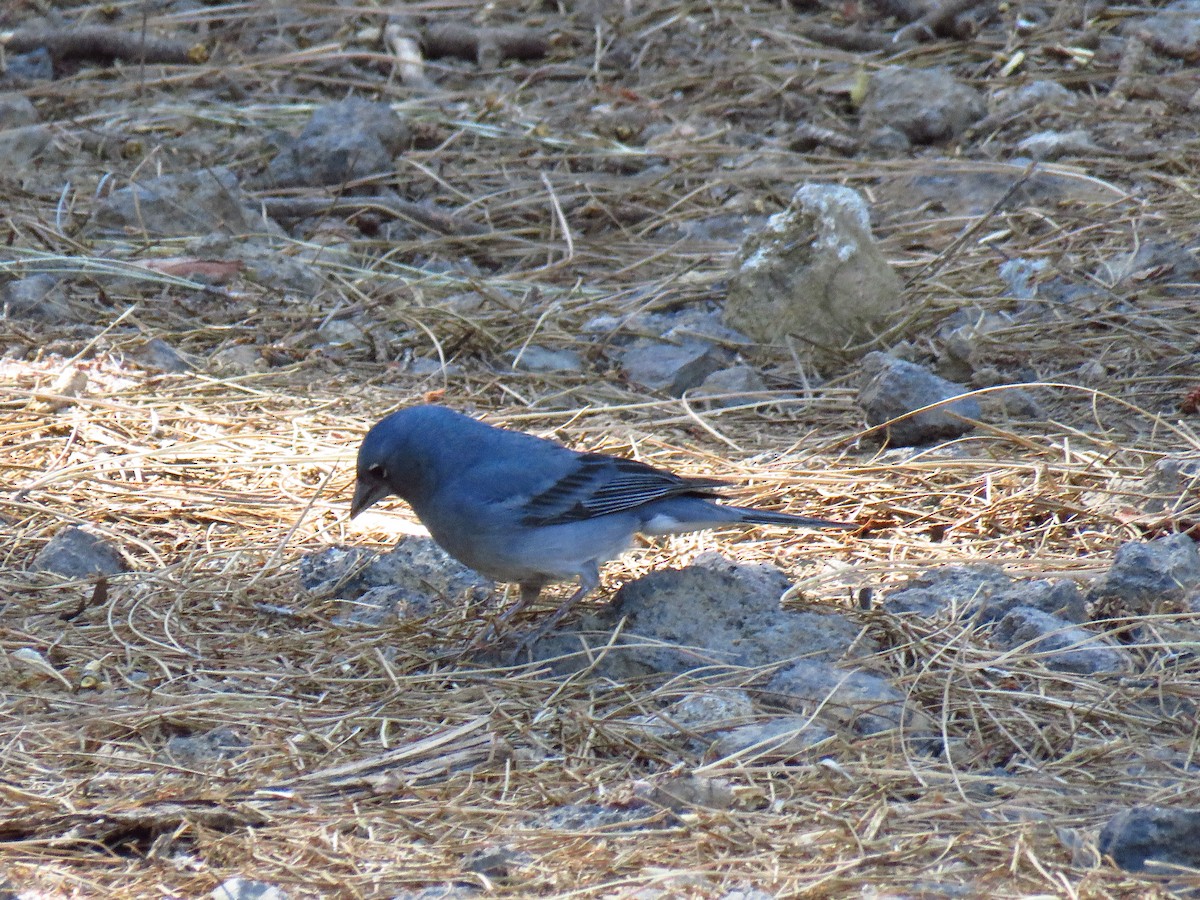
[{"x": 515, "y": 507}]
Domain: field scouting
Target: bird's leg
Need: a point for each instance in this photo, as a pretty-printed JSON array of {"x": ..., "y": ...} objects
[
  {"x": 530, "y": 591},
  {"x": 529, "y": 594},
  {"x": 588, "y": 581}
]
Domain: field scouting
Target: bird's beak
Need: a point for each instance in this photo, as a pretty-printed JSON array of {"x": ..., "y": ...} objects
[{"x": 366, "y": 494}]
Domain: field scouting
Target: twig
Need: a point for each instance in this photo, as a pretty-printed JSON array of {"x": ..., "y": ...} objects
[
  {"x": 486, "y": 46},
  {"x": 102, "y": 42}
]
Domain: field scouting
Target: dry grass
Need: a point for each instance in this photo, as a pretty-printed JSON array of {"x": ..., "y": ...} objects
[{"x": 374, "y": 760}]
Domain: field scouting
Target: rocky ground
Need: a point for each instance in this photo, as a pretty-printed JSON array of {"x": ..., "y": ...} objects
[{"x": 927, "y": 267}]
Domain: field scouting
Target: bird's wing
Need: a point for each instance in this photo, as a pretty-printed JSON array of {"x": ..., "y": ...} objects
[{"x": 598, "y": 485}]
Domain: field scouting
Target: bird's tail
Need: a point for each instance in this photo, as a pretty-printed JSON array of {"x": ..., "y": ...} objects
[{"x": 766, "y": 517}]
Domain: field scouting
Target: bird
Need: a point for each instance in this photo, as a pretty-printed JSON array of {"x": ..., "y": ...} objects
[{"x": 520, "y": 508}]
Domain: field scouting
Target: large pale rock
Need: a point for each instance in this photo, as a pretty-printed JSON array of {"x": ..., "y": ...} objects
[{"x": 815, "y": 272}]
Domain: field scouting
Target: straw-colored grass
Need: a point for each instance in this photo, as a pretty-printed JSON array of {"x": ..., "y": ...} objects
[{"x": 367, "y": 761}]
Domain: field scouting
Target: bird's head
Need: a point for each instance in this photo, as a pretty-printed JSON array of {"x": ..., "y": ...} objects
[
  {"x": 399, "y": 455},
  {"x": 372, "y": 485},
  {"x": 383, "y": 459}
]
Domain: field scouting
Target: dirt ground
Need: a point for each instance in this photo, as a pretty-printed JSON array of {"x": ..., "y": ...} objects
[{"x": 196, "y": 400}]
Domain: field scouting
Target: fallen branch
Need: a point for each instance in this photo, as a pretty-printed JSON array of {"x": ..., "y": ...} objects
[
  {"x": 103, "y": 43},
  {"x": 852, "y": 40},
  {"x": 943, "y": 21},
  {"x": 486, "y": 46}
]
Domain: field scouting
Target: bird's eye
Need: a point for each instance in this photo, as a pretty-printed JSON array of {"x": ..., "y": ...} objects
[{"x": 378, "y": 471}]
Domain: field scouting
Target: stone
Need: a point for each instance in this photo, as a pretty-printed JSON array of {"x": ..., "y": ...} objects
[
  {"x": 845, "y": 698},
  {"x": 1138, "y": 838},
  {"x": 1145, "y": 574},
  {"x": 74, "y": 553},
  {"x": 732, "y": 387},
  {"x": 776, "y": 739},
  {"x": 344, "y": 141},
  {"x": 1050, "y": 145},
  {"x": 670, "y": 368},
  {"x": 199, "y": 750},
  {"x": 542, "y": 360},
  {"x": 416, "y": 564},
  {"x": 893, "y": 388},
  {"x": 1058, "y": 644},
  {"x": 191, "y": 203},
  {"x": 726, "y": 617},
  {"x": 815, "y": 272},
  {"x": 37, "y": 297},
  {"x": 927, "y": 105},
  {"x": 247, "y": 889}
]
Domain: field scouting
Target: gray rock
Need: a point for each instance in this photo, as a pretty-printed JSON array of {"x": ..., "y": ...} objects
[
  {"x": 697, "y": 716},
  {"x": 1021, "y": 404},
  {"x": 927, "y": 105},
  {"x": 382, "y": 604},
  {"x": 1050, "y": 145},
  {"x": 894, "y": 388},
  {"x": 37, "y": 297},
  {"x": 884, "y": 140},
  {"x": 22, "y": 139},
  {"x": 158, "y": 354},
  {"x": 1020, "y": 276},
  {"x": 694, "y": 322},
  {"x": 16, "y": 110},
  {"x": 543, "y": 360},
  {"x": 21, "y": 146},
  {"x": 956, "y": 588},
  {"x": 777, "y": 739},
  {"x": 713, "y": 612},
  {"x": 428, "y": 365},
  {"x": 1172, "y": 483},
  {"x": 1153, "y": 262},
  {"x": 968, "y": 190},
  {"x": 263, "y": 263},
  {"x": 985, "y": 591},
  {"x": 416, "y": 564},
  {"x": 247, "y": 889},
  {"x": 345, "y": 141},
  {"x": 178, "y": 205},
  {"x": 816, "y": 272},
  {"x": 845, "y": 698},
  {"x": 24, "y": 68},
  {"x": 731, "y": 387},
  {"x": 440, "y": 892},
  {"x": 1161, "y": 769},
  {"x": 712, "y": 710},
  {"x": 1049, "y": 94},
  {"x": 1145, "y": 575},
  {"x": 728, "y": 228},
  {"x": 496, "y": 861},
  {"x": 1059, "y": 598},
  {"x": 198, "y": 750},
  {"x": 1174, "y": 31},
  {"x": 703, "y": 614},
  {"x": 671, "y": 368},
  {"x": 748, "y": 892},
  {"x": 1138, "y": 838},
  {"x": 343, "y": 333},
  {"x": 240, "y": 359},
  {"x": 1060, "y": 645},
  {"x": 73, "y": 553},
  {"x": 589, "y": 817},
  {"x": 964, "y": 337}
]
